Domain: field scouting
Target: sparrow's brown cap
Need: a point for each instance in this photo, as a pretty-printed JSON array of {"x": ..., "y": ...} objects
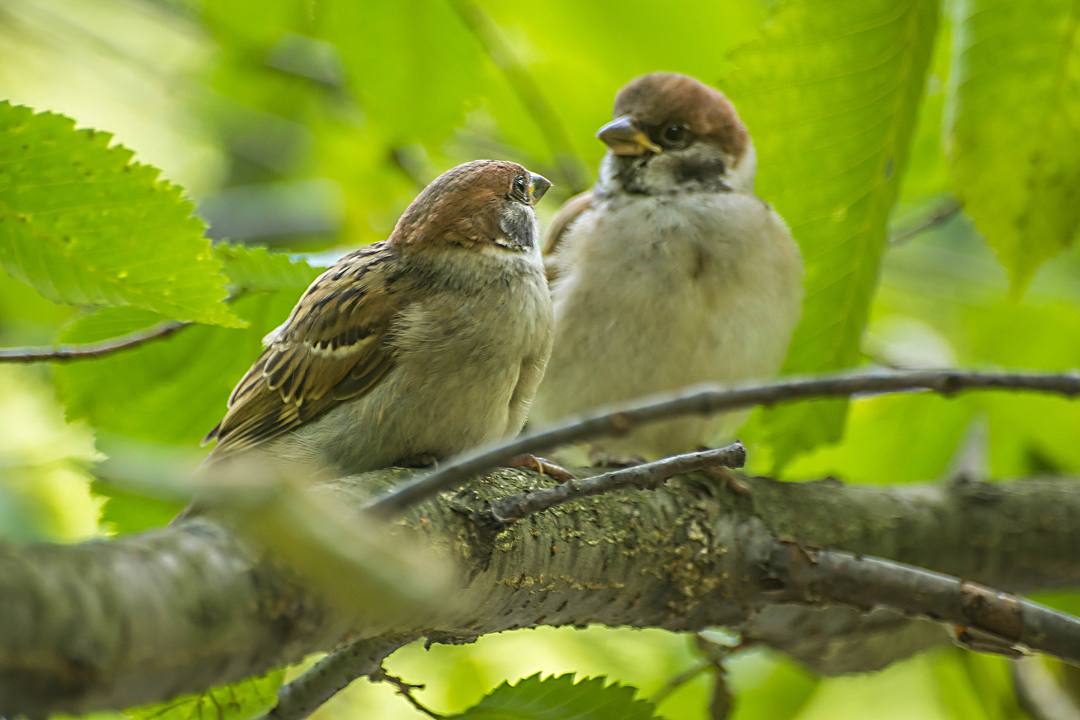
[
  {"x": 666, "y": 98},
  {"x": 462, "y": 204}
]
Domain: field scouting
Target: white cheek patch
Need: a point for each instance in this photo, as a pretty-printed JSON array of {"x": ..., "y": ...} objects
[
  {"x": 520, "y": 228},
  {"x": 741, "y": 177}
]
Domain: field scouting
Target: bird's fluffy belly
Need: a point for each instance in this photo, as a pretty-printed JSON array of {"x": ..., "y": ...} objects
[
  {"x": 452, "y": 388},
  {"x": 664, "y": 292}
]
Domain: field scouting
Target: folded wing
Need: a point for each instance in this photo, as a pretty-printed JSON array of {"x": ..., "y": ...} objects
[{"x": 316, "y": 360}]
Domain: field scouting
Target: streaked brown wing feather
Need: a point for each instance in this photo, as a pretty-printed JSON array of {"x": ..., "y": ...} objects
[
  {"x": 568, "y": 213},
  {"x": 318, "y": 359}
]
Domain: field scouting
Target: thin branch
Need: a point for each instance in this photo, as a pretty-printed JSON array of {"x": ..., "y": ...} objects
[
  {"x": 715, "y": 653},
  {"x": 943, "y": 214},
  {"x": 820, "y": 578},
  {"x": 1039, "y": 693},
  {"x": 708, "y": 399},
  {"x": 404, "y": 689},
  {"x": 101, "y": 348},
  {"x": 527, "y": 89},
  {"x": 643, "y": 477},
  {"x": 90, "y": 350},
  {"x": 332, "y": 674}
]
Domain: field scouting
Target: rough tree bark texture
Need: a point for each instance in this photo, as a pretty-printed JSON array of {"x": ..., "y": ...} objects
[{"x": 145, "y": 617}]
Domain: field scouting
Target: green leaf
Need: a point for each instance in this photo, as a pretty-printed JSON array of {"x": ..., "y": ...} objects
[
  {"x": 257, "y": 269},
  {"x": 558, "y": 698},
  {"x": 830, "y": 93},
  {"x": 1014, "y": 126},
  {"x": 174, "y": 390},
  {"x": 246, "y": 699},
  {"x": 84, "y": 225}
]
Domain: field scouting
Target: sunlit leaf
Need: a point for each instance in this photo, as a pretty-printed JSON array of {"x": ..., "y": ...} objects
[
  {"x": 256, "y": 269},
  {"x": 1014, "y": 126},
  {"x": 559, "y": 698},
  {"x": 830, "y": 93},
  {"x": 84, "y": 225},
  {"x": 174, "y": 390},
  {"x": 246, "y": 699}
]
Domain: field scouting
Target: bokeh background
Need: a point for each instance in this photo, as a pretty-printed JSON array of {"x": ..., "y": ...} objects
[{"x": 308, "y": 125}]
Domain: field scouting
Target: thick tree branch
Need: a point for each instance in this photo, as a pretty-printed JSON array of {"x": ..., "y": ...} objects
[
  {"x": 143, "y": 618},
  {"x": 706, "y": 399},
  {"x": 91, "y": 350},
  {"x": 352, "y": 663}
]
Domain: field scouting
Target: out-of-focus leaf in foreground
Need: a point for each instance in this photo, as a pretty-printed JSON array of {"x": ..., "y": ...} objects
[
  {"x": 830, "y": 93},
  {"x": 1014, "y": 126},
  {"x": 241, "y": 701},
  {"x": 174, "y": 390},
  {"x": 558, "y": 698},
  {"x": 365, "y": 567},
  {"x": 84, "y": 225}
]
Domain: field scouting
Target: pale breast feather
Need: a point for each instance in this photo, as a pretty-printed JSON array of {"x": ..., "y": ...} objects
[{"x": 568, "y": 213}]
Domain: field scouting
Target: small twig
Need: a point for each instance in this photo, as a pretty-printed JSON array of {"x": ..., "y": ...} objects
[
  {"x": 643, "y": 477},
  {"x": 89, "y": 350},
  {"x": 1039, "y": 692},
  {"x": 326, "y": 678},
  {"x": 678, "y": 681},
  {"x": 704, "y": 400},
  {"x": 795, "y": 574},
  {"x": 939, "y": 216},
  {"x": 716, "y": 654},
  {"x": 527, "y": 89},
  {"x": 404, "y": 689},
  {"x": 101, "y": 348}
]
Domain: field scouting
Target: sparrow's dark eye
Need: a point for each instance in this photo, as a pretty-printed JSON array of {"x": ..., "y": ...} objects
[
  {"x": 673, "y": 135},
  {"x": 521, "y": 187}
]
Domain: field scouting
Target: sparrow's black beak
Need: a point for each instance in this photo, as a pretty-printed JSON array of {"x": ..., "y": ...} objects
[
  {"x": 625, "y": 137},
  {"x": 538, "y": 185}
]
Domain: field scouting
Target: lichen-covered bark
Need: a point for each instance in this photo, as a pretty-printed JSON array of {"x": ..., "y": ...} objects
[{"x": 142, "y": 618}]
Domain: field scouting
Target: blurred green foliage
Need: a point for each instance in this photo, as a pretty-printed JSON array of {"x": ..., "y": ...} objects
[{"x": 307, "y": 125}]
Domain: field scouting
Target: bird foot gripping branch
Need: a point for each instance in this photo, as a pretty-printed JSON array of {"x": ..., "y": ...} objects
[{"x": 543, "y": 466}]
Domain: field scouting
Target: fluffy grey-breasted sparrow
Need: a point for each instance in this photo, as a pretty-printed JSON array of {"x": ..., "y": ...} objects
[
  {"x": 669, "y": 271},
  {"x": 411, "y": 349}
]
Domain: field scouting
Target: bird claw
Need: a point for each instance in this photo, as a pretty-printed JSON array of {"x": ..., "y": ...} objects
[
  {"x": 545, "y": 467},
  {"x": 728, "y": 479}
]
